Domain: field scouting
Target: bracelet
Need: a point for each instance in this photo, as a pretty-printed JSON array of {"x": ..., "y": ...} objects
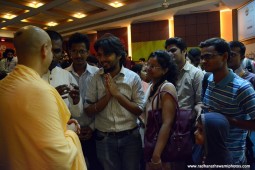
[
  {"x": 156, "y": 163},
  {"x": 95, "y": 107}
]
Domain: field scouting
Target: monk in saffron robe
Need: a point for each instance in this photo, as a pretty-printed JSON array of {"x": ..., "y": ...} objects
[{"x": 33, "y": 116}]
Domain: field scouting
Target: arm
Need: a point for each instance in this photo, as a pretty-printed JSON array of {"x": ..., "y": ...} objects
[
  {"x": 197, "y": 86},
  {"x": 168, "y": 115},
  {"x": 131, "y": 106},
  {"x": 246, "y": 100},
  {"x": 98, "y": 106},
  {"x": 74, "y": 97},
  {"x": 92, "y": 104},
  {"x": 243, "y": 124},
  {"x": 56, "y": 144}
]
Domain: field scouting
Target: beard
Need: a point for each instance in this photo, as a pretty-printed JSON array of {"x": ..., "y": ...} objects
[{"x": 110, "y": 69}]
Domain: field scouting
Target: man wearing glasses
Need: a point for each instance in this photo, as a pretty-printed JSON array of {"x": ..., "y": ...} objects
[
  {"x": 229, "y": 95},
  {"x": 78, "y": 45},
  {"x": 62, "y": 80}
]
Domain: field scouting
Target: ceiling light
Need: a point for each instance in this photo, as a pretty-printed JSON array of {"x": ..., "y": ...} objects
[
  {"x": 69, "y": 20},
  {"x": 51, "y": 24},
  {"x": 225, "y": 10},
  {"x": 79, "y": 15},
  {"x": 2, "y": 39},
  {"x": 24, "y": 20},
  {"x": 9, "y": 16},
  {"x": 45, "y": 28},
  {"x": 26, "y": 11},
  {"x": 35, "y": 4},
  {"x": 3, "y": 21},
  {"x": 116, "y": 4},
  {"x": 165, "y": 4},
  {"x": 4, "y": 28}
]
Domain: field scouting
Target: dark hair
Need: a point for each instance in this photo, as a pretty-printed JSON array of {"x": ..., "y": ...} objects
[
  {"x": 92, "y": 59},
  {"x": 111, "y": 44},
  {"x": 3, "y": 74},
  {"x": 8, "y": 50},
  {"x": 236, "y": 44},
  {"x": 179, "y": 42},
  {"x": 54, "y": 35},
  {"x": 194, "y": 56},
  {"x": 220, "y": 45},
  {"x": 165, "y": 61},
  {"x": 137, "y": 68},
  {"x": 79, "y": 38},
  {"x": 142, "y": 59}
]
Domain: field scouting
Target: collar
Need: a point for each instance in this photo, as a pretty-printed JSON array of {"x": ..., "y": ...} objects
[
  {"x": 89, "y": 69},
  {"x": 227, "y": 79},
  {"x": 187, "y": 66},
  {"x": 240, "y": 71}
]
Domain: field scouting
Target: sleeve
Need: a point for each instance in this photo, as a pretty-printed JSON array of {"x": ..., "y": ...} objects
[
  {"x": 137, "y": 93},
  {"x": 91, "y": 91},
  {"x": 169, "y": 87},
  {"x": 197, "y": 86},
  {"x": 76, "y": 110},
  {"x": 246, "y": 99},
  {"x": 47, "y": 128}
]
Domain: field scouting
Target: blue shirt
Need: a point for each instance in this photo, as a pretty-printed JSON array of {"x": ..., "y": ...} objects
[{"x": 233, "y": 97}]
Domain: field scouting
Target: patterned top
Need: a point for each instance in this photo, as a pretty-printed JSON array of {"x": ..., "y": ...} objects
[{"x": 233, "y": 97}]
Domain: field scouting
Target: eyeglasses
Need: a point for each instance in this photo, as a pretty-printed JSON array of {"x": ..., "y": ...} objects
[
  {"x": 172, "y": 50},
  {"x": 209, "y": 56},
  {"x": 81, "y": 52},
  {"x": 234, "y": 54},
  {"x": 153, "y": 67}
]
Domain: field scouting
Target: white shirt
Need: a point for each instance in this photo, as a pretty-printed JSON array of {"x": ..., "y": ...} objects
[
  {"x": 83, "y": 119},
  {"x": 58, "y": 76}
]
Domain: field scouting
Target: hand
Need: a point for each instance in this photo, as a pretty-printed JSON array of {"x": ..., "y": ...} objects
[
  {"x": 111, "y": 85},
  {"x": 74, "y": 93},
  {"x": 77, "y": 125},
  {"x": 155, "y": 163},
  {"x": 155, "y": 166},
  {"x": 86, "y": 133},
  {"x": 62, "y": 90},
  {"x": 199, "y": 107}
]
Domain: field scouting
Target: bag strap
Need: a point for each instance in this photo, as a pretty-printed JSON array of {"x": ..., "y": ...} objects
[
  {"x": 205, "y": 84},
  {"x": 177, "y": 108}
]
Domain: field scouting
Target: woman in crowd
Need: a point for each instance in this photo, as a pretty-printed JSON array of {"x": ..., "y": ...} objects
[{"x": 163, "y": 73}]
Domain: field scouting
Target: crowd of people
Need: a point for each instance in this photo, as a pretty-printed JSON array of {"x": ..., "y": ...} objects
[{"x": 92, "y": 112}]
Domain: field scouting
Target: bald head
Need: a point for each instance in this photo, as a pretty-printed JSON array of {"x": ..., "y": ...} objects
[{"x": 33, "y": 47}]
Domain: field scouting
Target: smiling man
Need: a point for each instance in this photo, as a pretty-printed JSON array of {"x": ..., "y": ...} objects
[{"x": 115, "y": 96}]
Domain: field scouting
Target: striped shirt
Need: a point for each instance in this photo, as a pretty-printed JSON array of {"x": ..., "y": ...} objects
[
  {"x": 114, "y": 117},
  {"x": 233, "y": 97}
]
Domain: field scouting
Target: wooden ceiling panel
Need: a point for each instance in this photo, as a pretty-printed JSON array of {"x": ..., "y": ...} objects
[
  {"x": 76, "y": 6},
  {"x": 10, "y": 10},
  {"x": 41, "y": 17}
]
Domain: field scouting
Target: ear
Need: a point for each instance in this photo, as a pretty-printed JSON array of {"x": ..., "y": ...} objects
[
  {"x": 44, "y": 51},
  {"x": 225, "y": 56}
]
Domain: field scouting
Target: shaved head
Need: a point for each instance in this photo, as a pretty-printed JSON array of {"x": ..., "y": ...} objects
[{"x": 33, "y": 46}]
